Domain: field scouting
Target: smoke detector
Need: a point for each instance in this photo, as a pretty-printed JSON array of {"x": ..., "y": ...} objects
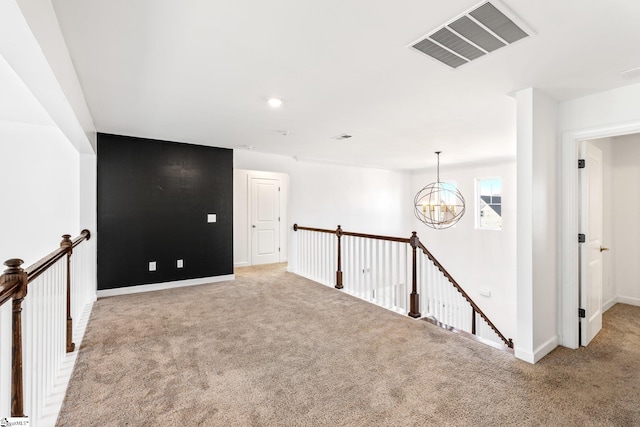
[{"x": 483, "y": 29}]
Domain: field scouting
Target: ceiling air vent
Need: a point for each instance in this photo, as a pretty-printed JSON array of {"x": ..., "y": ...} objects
[
  {"x": 341, "y": 137},
  {"x": 483, "y": 29}
]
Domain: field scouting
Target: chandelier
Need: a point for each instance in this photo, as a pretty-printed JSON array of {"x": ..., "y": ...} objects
[{"x": 439, "y": 205}]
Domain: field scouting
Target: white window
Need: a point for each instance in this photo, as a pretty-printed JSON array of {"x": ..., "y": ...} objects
[{"x": 489, "y": 203}]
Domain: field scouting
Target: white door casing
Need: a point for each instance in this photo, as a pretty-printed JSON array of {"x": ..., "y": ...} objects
[
  {"x": 265, "y": 221},
  {"x": 591, "y": 224},
  {"x": 568, "y": 223}
]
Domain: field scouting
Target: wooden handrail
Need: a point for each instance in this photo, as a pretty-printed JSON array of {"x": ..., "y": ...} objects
[
  {"x": 476, "y": 309},
  {"x": 43, "y": 264},
  {"x": 84, "y": 235},
  {"x": 414, "y": 297},
  {"x": 14, "y": 284},
  {"x": 297, "y": 227},
  {"x": 8, "y": 288},
  {"x": 376, "y": 237}
]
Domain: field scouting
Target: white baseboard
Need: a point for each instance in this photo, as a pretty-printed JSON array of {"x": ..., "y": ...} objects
[
  {"x": 527, "y": 356},
  {"x": 608, "y": 304},
  {"x": 290, "y": 269},
  {"x": 248, "y": 264},
  {"x": 629, "y": 300},
  {"x": 546, "y": 348},
  {"x": 541, "y": 351},
  {"x": 166, "y": 285}
]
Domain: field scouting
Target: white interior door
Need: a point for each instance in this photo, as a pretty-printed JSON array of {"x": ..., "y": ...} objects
[
  {"x": 591, "y": 224},
  {"x": 265, "y": 221}
]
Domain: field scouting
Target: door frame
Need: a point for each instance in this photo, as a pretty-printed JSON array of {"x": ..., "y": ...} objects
[
  {"x": 242, "y": 212},
  {"x": 568, "y": 265},
  {"x": 250, "y": 214}
]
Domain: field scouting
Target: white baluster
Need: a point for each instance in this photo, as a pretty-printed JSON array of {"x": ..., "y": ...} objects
[
  {"x": 395, "y": 275},
  {"x": 361, "y": 269}
]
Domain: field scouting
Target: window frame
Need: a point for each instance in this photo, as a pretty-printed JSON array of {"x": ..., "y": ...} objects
[{"x": 479, "y": 204}]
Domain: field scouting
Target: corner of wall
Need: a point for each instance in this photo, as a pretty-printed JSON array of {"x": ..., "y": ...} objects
[{"x": 539, "y": 352}]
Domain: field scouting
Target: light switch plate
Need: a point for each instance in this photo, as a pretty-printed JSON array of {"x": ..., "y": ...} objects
[
  {"x": 180, "y": 263},
  {"x": 152, "y": 266},
  {"x": 211, "y": 217},
  {"x": 485, "y": 292}
]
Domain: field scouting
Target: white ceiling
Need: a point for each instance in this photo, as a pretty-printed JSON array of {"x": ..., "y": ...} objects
[{"x": 200, "y": 71}]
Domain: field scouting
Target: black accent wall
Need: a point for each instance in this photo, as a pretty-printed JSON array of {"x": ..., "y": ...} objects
[{"x": 153, "y": 201}]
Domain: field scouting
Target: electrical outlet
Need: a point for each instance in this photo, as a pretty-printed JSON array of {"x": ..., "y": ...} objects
[
  {"x": 152, "y": 266},
  {"x": 211, "y": 218},
  {"x": 180, "y": 263},
  {"x": 366, "y": 270},
  {"x": 485, "y": 292}
]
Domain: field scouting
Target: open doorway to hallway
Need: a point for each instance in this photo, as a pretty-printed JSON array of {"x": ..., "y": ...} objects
[{"x": 620, "y": 239}]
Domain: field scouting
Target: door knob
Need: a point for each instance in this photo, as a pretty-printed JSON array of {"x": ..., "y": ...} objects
[
  {"x": 255, "y": 227},
  {"x": 603, "y": 249}
]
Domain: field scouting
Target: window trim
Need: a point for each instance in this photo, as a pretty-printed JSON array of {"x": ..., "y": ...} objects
[{"x": 477, "y": 203}]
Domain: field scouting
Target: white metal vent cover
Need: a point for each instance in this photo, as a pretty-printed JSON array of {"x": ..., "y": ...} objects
[{"x": 477, "y": 32}]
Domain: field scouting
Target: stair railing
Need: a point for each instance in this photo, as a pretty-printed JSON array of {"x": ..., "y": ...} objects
[
  {"x": 44, "y": 292},
  {"x": 440, "y": 309},
  {"x": 382, "y": 269}
]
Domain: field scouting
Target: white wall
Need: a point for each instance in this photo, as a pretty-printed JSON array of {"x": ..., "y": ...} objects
[
  {"x": 88, "y": 213},
  {"x": 478, "y": 259},
  {"x": 40, "y": 137},
  {"x": 40, "y": 179},
  {"x": 603, "y": 109},
  {"x": 324, "y": 195},
  {"x": 625, "y": 248},
  {"x": 537, "y": 294},
  {"x": 241, "y": 217}
]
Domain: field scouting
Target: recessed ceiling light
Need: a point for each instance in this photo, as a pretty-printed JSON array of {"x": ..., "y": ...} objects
[{"x": 275, "y": 102}]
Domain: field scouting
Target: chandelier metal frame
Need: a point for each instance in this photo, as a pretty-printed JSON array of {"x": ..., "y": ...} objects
[{"x": 439, "y": 205}]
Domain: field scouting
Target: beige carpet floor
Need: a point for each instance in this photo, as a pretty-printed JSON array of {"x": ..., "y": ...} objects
[{"x": 274, "y": 349}]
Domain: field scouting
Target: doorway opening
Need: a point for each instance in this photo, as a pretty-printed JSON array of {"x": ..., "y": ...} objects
[{"x": 573, "y": 295}]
